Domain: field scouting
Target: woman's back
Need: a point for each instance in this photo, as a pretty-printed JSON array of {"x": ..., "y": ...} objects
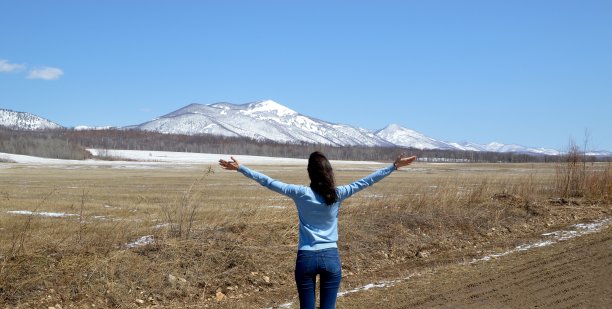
[{"x": 318, "y": 220}]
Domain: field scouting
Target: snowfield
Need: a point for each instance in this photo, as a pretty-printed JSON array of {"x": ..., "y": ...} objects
[{"x": 151, "y": 159}]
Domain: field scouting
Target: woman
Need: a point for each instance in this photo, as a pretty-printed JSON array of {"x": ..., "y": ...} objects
[{"x": 317, "y": 207}]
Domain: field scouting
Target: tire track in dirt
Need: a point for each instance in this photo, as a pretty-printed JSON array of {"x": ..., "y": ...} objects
[{"x": 574, "y": 273}]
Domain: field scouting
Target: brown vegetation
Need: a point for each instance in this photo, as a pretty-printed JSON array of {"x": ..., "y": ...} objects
[{"x": 221, "y": 240}]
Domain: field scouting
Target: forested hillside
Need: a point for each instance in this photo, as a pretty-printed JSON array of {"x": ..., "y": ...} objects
[
  {"x": 71, "y": 144},
  {"x": 47, "y": 144}
]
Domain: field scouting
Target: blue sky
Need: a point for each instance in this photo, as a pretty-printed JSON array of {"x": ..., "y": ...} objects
[{"x": 535, "y": 73}]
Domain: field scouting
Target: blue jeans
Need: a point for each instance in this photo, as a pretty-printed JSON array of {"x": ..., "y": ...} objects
[{"x": 326, "y": 264}]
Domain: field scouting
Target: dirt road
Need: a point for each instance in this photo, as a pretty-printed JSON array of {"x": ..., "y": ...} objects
[{"x": 575, "y": 273}]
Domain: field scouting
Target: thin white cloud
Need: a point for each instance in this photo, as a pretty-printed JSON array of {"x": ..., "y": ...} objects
[
  {"x": 6, "y": 66},
  {"x": 46, "y": 73}
]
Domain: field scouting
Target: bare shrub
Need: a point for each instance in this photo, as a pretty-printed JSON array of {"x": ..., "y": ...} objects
[
  {"x": 598, "y": 184},
  {"x": 576, "y": 177},
  {"x": 571, "y": 172},
  {"x": 22, "y": 231},
  {"x": 181, "y": 214}
]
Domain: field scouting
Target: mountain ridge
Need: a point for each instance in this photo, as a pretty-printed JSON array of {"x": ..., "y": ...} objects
[
  {"x": 25, "y": 121},
  {"x": 269, "y": 120}
]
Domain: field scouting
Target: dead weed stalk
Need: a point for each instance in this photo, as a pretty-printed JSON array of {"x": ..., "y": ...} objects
[{"x": 181, "y": 214}]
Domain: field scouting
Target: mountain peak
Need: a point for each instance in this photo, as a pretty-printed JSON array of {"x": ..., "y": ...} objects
[
  {"x": 268, "y": 106},
  {"x": 397, "y": 129},
  {"x": 401, "y": 136},
  {"x": 393, "y": 127}
]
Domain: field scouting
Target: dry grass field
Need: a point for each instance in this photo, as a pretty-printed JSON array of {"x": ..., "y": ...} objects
[{"x": 194, "y": 236}]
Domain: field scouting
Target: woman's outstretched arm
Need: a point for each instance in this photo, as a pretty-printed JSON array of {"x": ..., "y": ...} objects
[
  {"x": 345, "y": 192},
  {"x": 264, "y": 180}
]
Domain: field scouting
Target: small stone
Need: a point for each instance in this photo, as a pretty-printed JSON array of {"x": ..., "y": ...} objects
[
  {"x": 422, "y": 254},
  {"x": 266, "y": 279},
  {"x": 174, "y": 280},
  {"x": 139, "y": 301},
  {"x": 220, "y": 296}
]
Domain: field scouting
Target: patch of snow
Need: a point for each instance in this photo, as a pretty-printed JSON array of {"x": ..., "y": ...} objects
[
  {"x": 142, "y": 241},
  {"x": 276, "y": 207},
  {"x": 205, "y": 158},
  {"x": 41, "y": 214},
  {"x": 83, "y": 128},
  {"x": 162, "y": 225},
  {"x": 383, "y": 284},
  {"x": 554, "y": 237}
]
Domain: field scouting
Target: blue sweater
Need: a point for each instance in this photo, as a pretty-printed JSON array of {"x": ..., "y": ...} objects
[{"x": 318, "y": 221}]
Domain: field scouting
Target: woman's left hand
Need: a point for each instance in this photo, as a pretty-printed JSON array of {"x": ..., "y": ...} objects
[
  {"x": 232, "y": 165},
  {"x": 403, "y": 160}
]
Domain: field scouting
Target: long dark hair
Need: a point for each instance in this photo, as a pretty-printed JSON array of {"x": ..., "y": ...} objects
[{"x": 322, "y": 177}]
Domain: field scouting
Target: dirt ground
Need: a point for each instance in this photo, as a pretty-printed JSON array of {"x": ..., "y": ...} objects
[{"x": 575, "y": 273}]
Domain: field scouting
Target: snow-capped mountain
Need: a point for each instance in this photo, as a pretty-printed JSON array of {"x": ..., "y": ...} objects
[
  {"x": 599, "y": 153},
  {"x": 405, "y": 137},
  {"x": 499, "y": 147},
  {"x": 264, "y": 120},
  {"x": 25, "y": 121},
  {"x": 269, "y": 120}
]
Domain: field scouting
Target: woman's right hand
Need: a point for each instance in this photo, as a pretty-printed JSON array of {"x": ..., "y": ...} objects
[{"x": 403, "y": 160}]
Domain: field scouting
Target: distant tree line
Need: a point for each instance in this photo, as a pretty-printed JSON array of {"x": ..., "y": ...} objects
[
  {"x": 50, "y": 144},
  {"x": 71, "y": 144}
]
